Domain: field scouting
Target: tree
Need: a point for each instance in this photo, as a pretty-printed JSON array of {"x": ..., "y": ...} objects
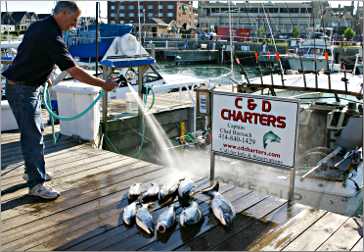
[
  {"x": 295, "y": 32},
  {"x": 349, "y": 33},
  {"x": 261, "y": 32}
]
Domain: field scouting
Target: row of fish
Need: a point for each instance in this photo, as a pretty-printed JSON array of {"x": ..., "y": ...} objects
[
  {"x": 191, "y": 214},
  {"x": 183, "y": 188}
]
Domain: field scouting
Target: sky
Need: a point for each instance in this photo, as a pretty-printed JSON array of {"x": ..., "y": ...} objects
[{"x": 88, "y": 8}]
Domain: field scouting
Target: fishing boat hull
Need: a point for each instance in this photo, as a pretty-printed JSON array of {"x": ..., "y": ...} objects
[{"x": 308, "y": 64}]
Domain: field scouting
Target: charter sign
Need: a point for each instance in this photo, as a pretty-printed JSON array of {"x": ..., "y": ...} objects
[{"x": 254, "y": 127}]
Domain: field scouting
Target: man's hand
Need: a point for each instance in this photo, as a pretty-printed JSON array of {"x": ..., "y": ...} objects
[{"x": 110, "y": 85}]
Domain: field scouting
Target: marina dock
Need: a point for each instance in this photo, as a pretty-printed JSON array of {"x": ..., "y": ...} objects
[{"x": 94, "y": 183}]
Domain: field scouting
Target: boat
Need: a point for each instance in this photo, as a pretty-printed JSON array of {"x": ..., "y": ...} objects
[
  {"x": 358, "y": 66},
  {"x": 329, "y": 166},
  {"x": 81, "y": 42},
  {"x": 312, "y": 50}
]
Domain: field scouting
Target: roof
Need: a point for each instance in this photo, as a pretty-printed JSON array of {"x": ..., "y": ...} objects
[
  {"x": 159, "y": 21},
  {"x": 42, "y": 16},
  {"x": 14, "y": 17}
]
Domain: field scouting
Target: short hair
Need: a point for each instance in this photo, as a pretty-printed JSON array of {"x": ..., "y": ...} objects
[{"x": 69, "y": 6}]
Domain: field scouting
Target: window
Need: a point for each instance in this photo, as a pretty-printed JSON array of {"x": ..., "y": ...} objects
[
  {"x": 284, "y": 10},
  {"x": 294, "y": 10},
  {"x": 150, "y": 15},
  {"x": 121, "y": 14},
  {"x": 112, "y": 14},
  {"x": 160, "y": 7},
  {"x": 170, "y": 6},
  {"x": 112, "y": 7},
  {"x": 131, "y": 7},
  {"x": 170, "y": 14},
  {"x": 131, "y": 14},
  {"x": 273, "y": 10},
  {"x": 150, "y": 7},
  {"x": 160, "y": 14},
  {"x": 141, "y": 7},
  {"x": 121, "y": 7}
]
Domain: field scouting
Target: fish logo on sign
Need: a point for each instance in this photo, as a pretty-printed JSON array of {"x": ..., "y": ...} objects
[{"x": 270, "y": 136}]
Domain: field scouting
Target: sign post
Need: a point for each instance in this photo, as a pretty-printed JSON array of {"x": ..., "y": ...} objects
[{"x": 256, "y": 128}]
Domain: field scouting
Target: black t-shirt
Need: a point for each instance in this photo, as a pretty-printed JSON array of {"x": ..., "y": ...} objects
[{"x": 42, "y": 48}]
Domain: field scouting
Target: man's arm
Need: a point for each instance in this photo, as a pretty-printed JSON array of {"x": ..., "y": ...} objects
[{"x": 81, "y": 75}]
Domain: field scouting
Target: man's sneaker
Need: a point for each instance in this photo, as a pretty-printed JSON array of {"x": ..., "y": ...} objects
[
  {"x": 44, "y": 192},
  {"x": 48, "y": 177}
]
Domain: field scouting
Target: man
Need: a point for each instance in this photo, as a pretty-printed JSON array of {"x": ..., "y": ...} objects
[{"x": 41, "y": 49}]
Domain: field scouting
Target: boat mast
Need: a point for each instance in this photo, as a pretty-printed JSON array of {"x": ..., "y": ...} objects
[
  {"x": 326, "y": 51},
  {"x": 314, "y": 44},
  {"x": 300, "y": 56},
  {"x": 274, "y": 42}
]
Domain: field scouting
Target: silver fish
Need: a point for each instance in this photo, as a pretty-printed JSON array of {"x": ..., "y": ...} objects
[
  {"x": 221, "y": 207},
  {"x": 135, "y": 191},
  {"x": 144, "y": 220},
  {"x": 166, "y": 219},
  {"x": 129, "y": 213},
  {"x": 185, "y": 189},
  {"x": 168, "y": 193},
  {"x": 152, "y": 193},
  {"x": 190, "y": 215}
]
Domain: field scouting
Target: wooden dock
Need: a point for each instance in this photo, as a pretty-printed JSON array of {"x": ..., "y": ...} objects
[{"x": 94, "y": 183}]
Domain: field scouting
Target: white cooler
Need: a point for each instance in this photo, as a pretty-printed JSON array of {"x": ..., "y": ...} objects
[
  {"x": 8, "y": 121},
  {"x": 74, "y": 97}
]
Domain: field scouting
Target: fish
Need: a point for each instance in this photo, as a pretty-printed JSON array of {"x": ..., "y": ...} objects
[
  {"x": 129, "y": 213},
  {"x": 270, "y": 136},
  {"x": 135, "y": 191},
  {"x": 185, "y": 189},
  {"x": 144, "y": 220},
  {"x": 222, "y": 208},
  {"x": 167, "y": 193},
  {"x": 190, "y": 215},
  {"x": 166, "y": 219},
  {"x": 151, "y": 194}
]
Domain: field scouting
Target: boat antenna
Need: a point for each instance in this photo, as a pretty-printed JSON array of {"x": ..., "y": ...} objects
[
  {"x": 97, "y": 38},
  {"x": 300, "y": 56},
  {"x": 231, "y": 43},
  {"x": 326, "y": 54},
  {"x": 314, "y": 45},
  {"x": 274, "y": 43},
  {"x": 139, "y": 30}
]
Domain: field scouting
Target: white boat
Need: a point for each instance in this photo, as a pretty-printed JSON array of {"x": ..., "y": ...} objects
[
  {"x": 358, "y": 66},
  {"x": 312, "y": 50}
]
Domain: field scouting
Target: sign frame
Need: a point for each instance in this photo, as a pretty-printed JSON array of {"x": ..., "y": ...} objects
[{"x": 213, "y": 153}]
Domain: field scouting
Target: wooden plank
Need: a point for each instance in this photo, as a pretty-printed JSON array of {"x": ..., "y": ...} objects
[
  {"x": 62, "y": 163},
  {"x": 75, "y": 222},
  {"x": 317, "y": 233},
  {"x": 247, "y": 235},
  {"x": 112, "y": 235},
  {"x": 16, "y": 158},
  {"x": 358, "y": 246},
  {"x": 69, "y": 174},
  {"x": 281, "y": 236},
  {"x": 49, "y": 159},
  {"x": 222, "y": 237},
  {"x": 345, "y": 237},
  {"x": 177, "y": 239},
  {"x": 68, "y": 199},
  {"x": 119, "y": 234},
  {"x": 284, "y": 213}
]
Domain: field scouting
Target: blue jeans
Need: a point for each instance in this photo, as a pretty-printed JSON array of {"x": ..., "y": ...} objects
[{"x": 25, "y": 102}]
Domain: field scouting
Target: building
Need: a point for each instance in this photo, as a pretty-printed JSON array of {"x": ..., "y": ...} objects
[
  {"x": 339, "y": 18},
  {"x": 253, "y": 16},
  {"x": 18, "y": 21},
  {"x": 151, "y": 14}
]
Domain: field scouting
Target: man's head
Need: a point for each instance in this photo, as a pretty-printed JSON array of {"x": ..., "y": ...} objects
[{"x": 66, "y": 14}]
